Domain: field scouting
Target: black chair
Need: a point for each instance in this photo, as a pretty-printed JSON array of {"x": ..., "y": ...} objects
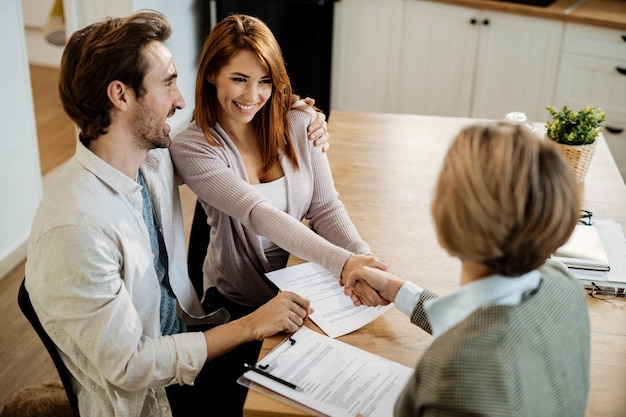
[
  {"x": 23, "y": 300},
  {"x": 198, "y": 243}
]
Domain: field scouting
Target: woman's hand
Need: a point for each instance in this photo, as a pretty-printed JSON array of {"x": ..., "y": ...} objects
[
  {"x": 361, "y": 293},
  {"x": 371, "y": 286},
  {"x": 356, "y": 261}
]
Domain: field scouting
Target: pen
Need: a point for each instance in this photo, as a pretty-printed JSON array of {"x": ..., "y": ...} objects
[{"x": 272, "y": 377}]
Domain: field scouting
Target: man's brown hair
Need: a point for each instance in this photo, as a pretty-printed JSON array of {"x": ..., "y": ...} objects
[{"x": 99, "y": 54}]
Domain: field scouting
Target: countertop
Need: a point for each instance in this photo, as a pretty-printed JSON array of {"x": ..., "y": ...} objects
[{"x": 603, "y": 13}]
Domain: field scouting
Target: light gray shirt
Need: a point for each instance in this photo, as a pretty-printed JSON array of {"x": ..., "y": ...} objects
[
  {"x": 238, "y": 214},
  {"x": 92, "y": 282}
]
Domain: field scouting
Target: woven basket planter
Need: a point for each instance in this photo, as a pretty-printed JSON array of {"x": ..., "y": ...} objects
[{"x": 578, "y": 157}]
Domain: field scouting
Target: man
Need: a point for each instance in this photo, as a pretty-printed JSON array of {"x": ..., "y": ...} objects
[{"x": 106, "y": 268}]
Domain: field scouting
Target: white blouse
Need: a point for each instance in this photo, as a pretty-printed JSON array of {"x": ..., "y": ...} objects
[{"x": 276, "y": 193}]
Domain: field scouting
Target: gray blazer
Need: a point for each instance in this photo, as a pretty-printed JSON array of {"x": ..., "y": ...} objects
[{"x": 526, "y": 360}]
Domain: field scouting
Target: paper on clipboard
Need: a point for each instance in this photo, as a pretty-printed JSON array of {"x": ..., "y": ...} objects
[
  {"x": 334, "y": 312},
  {"x": 337, "y": 379},
  {"x": 243, "y": 381}
]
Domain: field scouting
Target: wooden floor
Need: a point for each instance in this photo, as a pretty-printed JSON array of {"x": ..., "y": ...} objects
[{"x": 23, "y": 359}]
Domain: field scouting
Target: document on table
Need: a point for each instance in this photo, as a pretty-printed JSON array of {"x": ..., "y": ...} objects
[
  {"x": 614, "y": 243},
  {"x": 334, "y": 312},
  {"x": 332, "y": 377}
]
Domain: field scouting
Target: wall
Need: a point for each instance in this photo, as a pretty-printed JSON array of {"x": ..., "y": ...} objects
[
  {"x": 21, "y": 183},
  {"x": 20, "y": 188}
]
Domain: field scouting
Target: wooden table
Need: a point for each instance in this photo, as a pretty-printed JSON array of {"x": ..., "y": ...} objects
[{"x": 385, "y": 167}]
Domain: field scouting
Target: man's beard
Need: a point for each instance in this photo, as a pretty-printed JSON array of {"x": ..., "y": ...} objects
[{"x": 148, "y": 130}]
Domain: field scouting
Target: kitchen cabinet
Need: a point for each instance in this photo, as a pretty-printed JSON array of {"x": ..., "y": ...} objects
[
  {"x": 593, "y": 72},
  {"x": 517, "y": 62},
  {"x": 366, "y": 54},
  {"x": 444, "y": 59},
  {"x": 438, "y": 60}
]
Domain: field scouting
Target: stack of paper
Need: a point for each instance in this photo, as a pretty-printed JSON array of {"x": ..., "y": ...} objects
[
  {"x": 583, "y": 250},
  {"x": 614, "y": 243}
]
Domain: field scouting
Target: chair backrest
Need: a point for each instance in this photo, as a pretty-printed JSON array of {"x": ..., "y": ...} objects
[
  {"x": 23, "y": 300},
  {"x": 198, "y": 243}
]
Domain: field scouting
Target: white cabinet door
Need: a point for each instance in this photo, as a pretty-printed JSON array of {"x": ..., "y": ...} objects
[
  {"x": 438, "y": 59},
  {"x": 366, "y": 45},
  {"x": 517, "y": 65},
  {"x": 589, "y": 81},
  {"x": 460, "y": 61},
  {"x": 425, "y": 57},
  {"x": 615, "y": 134}
]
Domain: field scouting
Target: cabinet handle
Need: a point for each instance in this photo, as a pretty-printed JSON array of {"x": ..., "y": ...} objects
[
  {"x": 486, "y": 22},
  {"x": 624, "y": 38},
  {"x": 614, "y": 130},
  {"x": 473, "y": 21},
  {"x": 621, "y": 70}
]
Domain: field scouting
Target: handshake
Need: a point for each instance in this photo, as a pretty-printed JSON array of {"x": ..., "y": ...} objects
[{"x": 367, "y": 281}]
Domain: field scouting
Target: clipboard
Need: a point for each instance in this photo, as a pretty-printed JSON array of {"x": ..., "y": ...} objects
[
  {"x": 320, "y": 374},
  {"x": 251, "y": 385},
  {"x": 243, "y": 381}
]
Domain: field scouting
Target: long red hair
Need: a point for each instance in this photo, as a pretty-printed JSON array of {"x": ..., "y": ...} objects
[{"x": 233, "y": 34}]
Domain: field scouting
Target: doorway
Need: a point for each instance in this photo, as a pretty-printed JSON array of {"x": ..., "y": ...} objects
[{"x": 56, "y": 136}]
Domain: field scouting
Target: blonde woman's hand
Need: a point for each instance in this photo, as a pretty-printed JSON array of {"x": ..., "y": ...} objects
[
  {"x": 362, "y": 282},
  {"x": 362, "y": 293}
]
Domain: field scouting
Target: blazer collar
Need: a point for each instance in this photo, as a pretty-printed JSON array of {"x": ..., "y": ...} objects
[{"x": 446, "y": 312}]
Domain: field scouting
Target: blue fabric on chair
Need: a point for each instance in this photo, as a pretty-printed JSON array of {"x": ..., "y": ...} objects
[{"x": 23, "y": 300}]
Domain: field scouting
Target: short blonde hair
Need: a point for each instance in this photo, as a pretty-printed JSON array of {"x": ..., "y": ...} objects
[{"x": 504, "y": 198}]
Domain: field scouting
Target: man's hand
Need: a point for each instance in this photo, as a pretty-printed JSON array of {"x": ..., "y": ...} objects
[
  {"x": 284, "y": 313},
  {"x": 318, "y": 129}
]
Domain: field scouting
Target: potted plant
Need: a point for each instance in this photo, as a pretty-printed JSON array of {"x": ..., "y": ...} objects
[{"x": 575, "y": 135}]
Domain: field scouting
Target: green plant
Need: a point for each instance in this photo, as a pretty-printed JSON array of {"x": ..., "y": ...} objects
[{"x": 570, "y": 128}]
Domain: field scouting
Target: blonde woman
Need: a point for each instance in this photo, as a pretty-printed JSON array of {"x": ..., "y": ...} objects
[{"x": 513, "y": 340}]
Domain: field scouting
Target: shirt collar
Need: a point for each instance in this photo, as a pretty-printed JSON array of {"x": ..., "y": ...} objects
[
  {"x": 445, "y": 312},
  {"x": 108, "y": 174}
]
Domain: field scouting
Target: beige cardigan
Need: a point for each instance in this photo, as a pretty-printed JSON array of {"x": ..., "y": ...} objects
[{"x": 239, "y": 215}]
